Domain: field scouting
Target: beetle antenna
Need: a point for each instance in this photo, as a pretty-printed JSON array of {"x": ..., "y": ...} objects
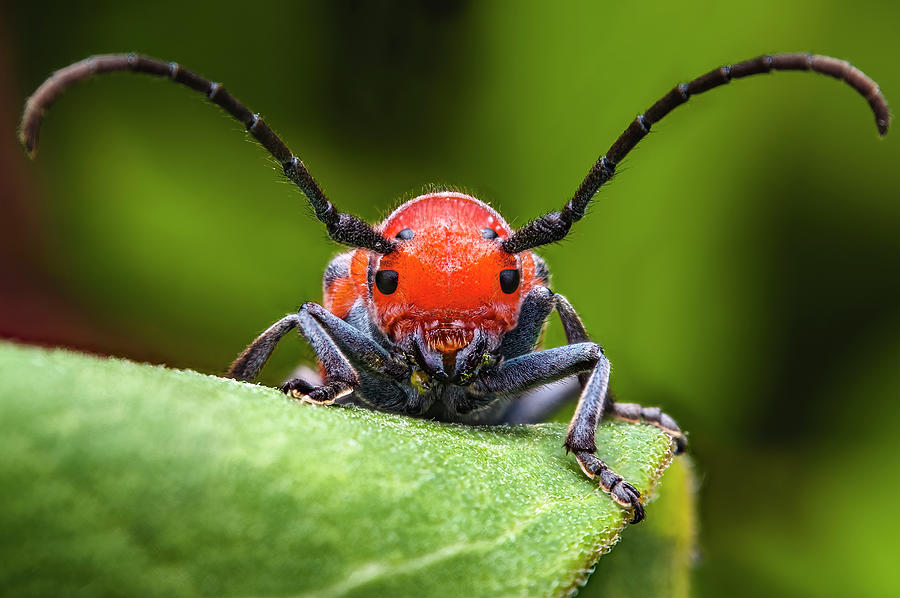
[
  {"x": 343, "y": 228},
  {"x": 554, "y": 226}
]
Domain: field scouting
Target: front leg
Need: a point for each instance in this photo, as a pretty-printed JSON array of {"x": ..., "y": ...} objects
[
  {"x": 580, "y": 440},
  {"x": 336, "y": 343},
  {"x": 332, "y": 340},
  {"x": 523, "y": 373},
  {"x": 340, "y": 377}
]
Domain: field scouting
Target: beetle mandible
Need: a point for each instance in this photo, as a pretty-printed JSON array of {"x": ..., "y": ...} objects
[{"x": 437, "y": 311}]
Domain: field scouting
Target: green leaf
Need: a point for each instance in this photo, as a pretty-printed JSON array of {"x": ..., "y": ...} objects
[{"x": 128, "y": 479}]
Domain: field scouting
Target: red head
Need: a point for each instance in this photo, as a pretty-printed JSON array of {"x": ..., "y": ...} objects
[{"x": 449, "y": 275}]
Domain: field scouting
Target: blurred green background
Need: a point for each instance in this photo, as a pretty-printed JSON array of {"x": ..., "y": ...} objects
[{"x": 741, "y": 270}]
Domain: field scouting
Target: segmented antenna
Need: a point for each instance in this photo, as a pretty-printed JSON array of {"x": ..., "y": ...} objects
[
  {"x": 554, "y": 226},
  {"x": 342, "y": 227}
]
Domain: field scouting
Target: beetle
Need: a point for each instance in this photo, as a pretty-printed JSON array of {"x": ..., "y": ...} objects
[{"x": 437, "y": 311}]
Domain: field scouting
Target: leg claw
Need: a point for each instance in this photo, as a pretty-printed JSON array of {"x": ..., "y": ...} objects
[
  {"x": 302, "y": 390},
  {"x": 628, "y": 496},
  {"x": 619, "y": 490}
]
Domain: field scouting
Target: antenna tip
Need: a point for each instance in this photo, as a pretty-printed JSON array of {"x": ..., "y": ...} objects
[
  {"x": 30, "y": 143},
  {"x": 28, "y": 135}
]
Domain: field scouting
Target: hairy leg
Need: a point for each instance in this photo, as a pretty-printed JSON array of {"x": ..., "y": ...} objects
[
  {"x": 632, "y": 412},
  {"x": 529, "y": 371},
  {"x": 331, "y": 340},
  {"x": 249, "y": 363},
  {"x": 536, "y": 307},
  {"x": 538, "y": 404},
  {"x": 580, "y": 439}
]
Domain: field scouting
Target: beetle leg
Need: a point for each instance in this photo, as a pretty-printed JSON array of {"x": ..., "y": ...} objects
[
  {"x": 326, "y": 394},
  {"x": 591, "y": 405},
  {"x": 572, "y": 326},
  {"x": 621, "y": 491},
  {"x": 339, "y": 347},
  {"x": 536, "y": 307},
  {"x": 632, "y": 412},
  {"x": 535, "y": 406},
  {"x": 359, "y": 348},
  {"x": 340, "y": 377},
  {"x": 250, "y": 362},
  {"x": 523, "y": 373},
  {"x": 534, "y": 369},
  {"x": 333, "y": 341},
  {"x": 595, "y": 399},
  {"x": 580, "y": 440}
]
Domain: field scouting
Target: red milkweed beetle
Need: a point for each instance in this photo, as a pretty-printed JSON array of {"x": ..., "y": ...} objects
[{"x": 437, "y": 311}]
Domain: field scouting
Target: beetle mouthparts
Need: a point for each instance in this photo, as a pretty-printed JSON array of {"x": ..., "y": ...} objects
[{"x": 448, "y": 338}]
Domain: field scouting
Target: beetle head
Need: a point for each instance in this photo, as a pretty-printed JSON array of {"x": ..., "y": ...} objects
[{"x": 448, "y": 292}]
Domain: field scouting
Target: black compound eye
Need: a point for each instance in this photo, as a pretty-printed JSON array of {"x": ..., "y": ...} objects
[
  {"x": 386, "y": 281},
  {"x": 489, "y": 233},
  {"x": 406, "y": 234},
  {"x": 509, "y": 281}
]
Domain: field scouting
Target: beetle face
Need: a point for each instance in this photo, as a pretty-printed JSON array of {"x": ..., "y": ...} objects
[{"x": 449, "y": 276}]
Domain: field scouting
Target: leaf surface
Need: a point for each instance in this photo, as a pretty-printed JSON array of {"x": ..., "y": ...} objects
[{"x": 129, "y": 479}]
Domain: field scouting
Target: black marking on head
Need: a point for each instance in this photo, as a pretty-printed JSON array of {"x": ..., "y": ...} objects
[
  {"x": 509, "y": 281},
  {"x": 386, "y": 281},
  {"x": 406, "y": 234},
  {"x": 489, "y": 233}
]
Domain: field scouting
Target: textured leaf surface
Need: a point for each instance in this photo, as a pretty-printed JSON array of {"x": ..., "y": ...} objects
[{"x": 121, "y": 478}]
